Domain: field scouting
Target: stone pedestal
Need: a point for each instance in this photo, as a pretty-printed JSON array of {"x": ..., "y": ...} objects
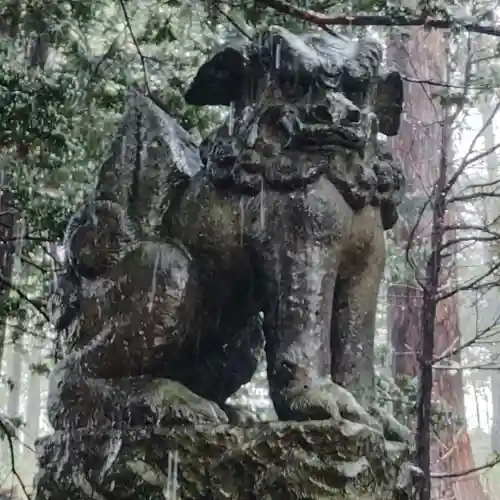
[{"x": 276, "y": 460}]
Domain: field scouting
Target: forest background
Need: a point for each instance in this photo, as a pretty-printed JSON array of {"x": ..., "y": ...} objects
[{"x": 65, "y": 69}]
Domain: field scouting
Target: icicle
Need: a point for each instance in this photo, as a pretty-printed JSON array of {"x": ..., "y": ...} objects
[
  {"x": 242, "y": 219},
  {"x": 175, "y": 466},
  {"x": 278, "y": 55},
  {"x": 113, "y": 448},
  {"x": 123, "y": 151},
  {"x": 253, "y": 135},
  {"x": 170, "y": 491},
  {"x": 153, "y": 282},
  {"x": 99, "y": 310},
  {"x": 230, "y": 121},
  {"x": 308, "y": 99},
  {"x": 260, "y": 43},
  {"x": 2, "y": 183},
  {"x": 54, "y": 279},
  {"x": 262, "y": 206}
]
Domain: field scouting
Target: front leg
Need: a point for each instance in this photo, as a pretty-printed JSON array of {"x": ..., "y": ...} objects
[
  {"x": 297, "y": 321},
  {"x": 354, "y": 314},
  {"x": 297, "y": 330},
  {"x": 301, "y": 243}
]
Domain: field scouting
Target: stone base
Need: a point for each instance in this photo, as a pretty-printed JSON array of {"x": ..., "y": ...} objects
[{"x": 273, "y": 460}]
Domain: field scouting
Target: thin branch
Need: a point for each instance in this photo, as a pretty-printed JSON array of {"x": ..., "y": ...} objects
[
  {"x": 481, "y": 185},
  {"x": 480, "y": 367},
  {"x": 36, "y": 304},
  {"x": 483, "y": 154},
  {"x": 465, "y": 161},
  {"x": 137, "y": 46},
  {"x": 231, "y": 21},
  {"x": 446, "y": 475},
  {"x": 378, "y": 20},
  {"x": 435, "y": 83},
  {"x": 102, "y": 59},
  {"x": 469, "y": 239},
  {"x": 473, "y": 284},
  {"x": 467, "y": 81},
  {"x": 34, "y": 264},
  {"x": 473, "y": 196},
  {"x": 13, "y": 470}
]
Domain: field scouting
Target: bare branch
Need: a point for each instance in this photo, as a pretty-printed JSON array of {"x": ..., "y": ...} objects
[
  {"x": 397, "y": 19},
  {"x": 8, "y": 435},
  {"x": 466, "y": 159},
  {"x": 137, "y": 46},
  {"x": 36, "y": 304},
  {"x": 444, "y": 475}
]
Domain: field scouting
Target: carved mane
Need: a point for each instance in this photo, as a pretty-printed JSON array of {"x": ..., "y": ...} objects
[
  {"x": 303, "y": 106},
  {"x": 377, "y": 181}
]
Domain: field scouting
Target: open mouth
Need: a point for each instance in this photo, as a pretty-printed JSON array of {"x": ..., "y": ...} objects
[
  {"x": 324, "y": 135},
  {"x": 314, "y": 127}
]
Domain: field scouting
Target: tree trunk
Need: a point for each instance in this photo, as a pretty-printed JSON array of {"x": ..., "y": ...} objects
[
  {"x": 9, "y": 27},
  {"x": 7, "y": 248},
  {"x": 422, "y": 57},
  {"x": 476, "y": 402},
  {"x": 415, "y": 147},
  {"x": 37, "y": 55},
  {"x": 492, "y": 207},
  {"x": 14, "y": 372},
  {"x": 451, "y": 452},
  {"x": 35, "y": 387},
  {"x": 33, "y": 408}
]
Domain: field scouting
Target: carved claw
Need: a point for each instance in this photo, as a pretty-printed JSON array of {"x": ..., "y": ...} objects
[
  {"x": 393, "y": 430},
  {"x": 408, "y": 475},
  {"x": 321, "y": 399},
  {"x": 331, "y": 401},
  {"x": 240, "y": 417}
]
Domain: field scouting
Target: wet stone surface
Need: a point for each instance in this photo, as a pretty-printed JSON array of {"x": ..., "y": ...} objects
[
  {"x": 275, "y": 461},
  {"x": 189, "y": 264}
]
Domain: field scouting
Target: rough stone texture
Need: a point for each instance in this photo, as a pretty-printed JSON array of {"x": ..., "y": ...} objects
[
  {"x": 275, "y": 461},
  {"x": 190, "y": 262}
]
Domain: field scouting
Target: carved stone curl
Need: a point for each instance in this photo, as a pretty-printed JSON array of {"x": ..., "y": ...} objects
[{"x": 189, "y": 263}]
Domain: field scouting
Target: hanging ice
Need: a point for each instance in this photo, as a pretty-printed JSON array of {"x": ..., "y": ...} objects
[
  {"x": 262, "y": 205},
  {"x": 230, "y": 120},
  {"x": 278, "y": 55},
  {"x": 153, "y": 282}
]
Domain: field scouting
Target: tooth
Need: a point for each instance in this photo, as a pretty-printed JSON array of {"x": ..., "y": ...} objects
[{"x": 298, "y": 123}]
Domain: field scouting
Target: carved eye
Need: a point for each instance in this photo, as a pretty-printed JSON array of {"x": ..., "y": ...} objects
[{"x": 355, "y": 84}]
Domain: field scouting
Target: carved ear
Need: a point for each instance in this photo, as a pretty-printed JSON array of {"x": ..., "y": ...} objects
[
  {"x": 389, "y": 102},
  {"x": 219, "y": 80}
]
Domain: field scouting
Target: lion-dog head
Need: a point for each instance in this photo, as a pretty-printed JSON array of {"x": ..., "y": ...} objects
[{"x": 302, "y": 106}]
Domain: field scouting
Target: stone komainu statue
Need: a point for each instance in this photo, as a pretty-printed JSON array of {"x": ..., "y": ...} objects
[{"x": 190, "y": 262}]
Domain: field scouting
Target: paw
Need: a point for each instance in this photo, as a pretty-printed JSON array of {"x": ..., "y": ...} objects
[
  {"x": 173, "y": 403},
  {"x": 97, "y": 238},
  {"x": 323, "y": 400},
  {"x": 393, "y": 430},
  {"x": 352, "y": 410},
  {"x": 240, "y": 417}
]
